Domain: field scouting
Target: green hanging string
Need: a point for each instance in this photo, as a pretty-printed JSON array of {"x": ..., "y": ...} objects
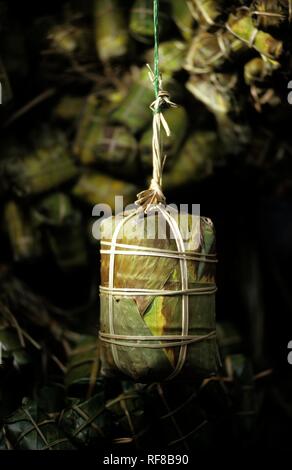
[
  {"x": 156, "y": 46},
  {"x": 154, "y": 194}
]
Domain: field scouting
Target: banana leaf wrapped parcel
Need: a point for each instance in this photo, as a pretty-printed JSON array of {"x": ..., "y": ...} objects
[
  {"x": 216, "y": 90},
  {"x": 30, "y": 428},
  {"x": 70, "y": 40},
  {"x": 246, "y": 400},
  {"x": 182, "y": 17},
  {"x": 83, "y": 367},
  {"x": 141, "y": 19},
  {"x": 259, "y": 73},
  {"x": 208, "y": 13},
  {"x": 61, "y": 227},
  {"x": 211, "y": 51},
  {"x": 87, "y": 423},
  {"x": 6, "y": 90},
  {"x": 132, "y": 422},
  {"x": 4, "y": 443},
  {"x": 173, "y": 407},
  {"x": 242, "y": 26},
  {"x": 229, "y": 339},
  {"x": 147, "y": 331},
  {"x": 259, "y": 70},
  {"x": 243, "y": 384},
  {"x": 13, "y": 340},
  {"x": 111, "y": 35},
  {"x": 88, "y": 115},
  {"x": 44, "y": 169},
  {"x": 93, "y": 188},
  {"x": 195, "y": 161},
  {"x": 219, "y": 93},
  {"x": 177, "y": 119},
  {"x": 111, "y": 147},
  {"x": 133, "y": 111},
  {"x": 171, "y": 56},
  {"x": 23, "y": 235},
  {"x": 270, "y": 13},
  {"x": 68, "y": 107}
]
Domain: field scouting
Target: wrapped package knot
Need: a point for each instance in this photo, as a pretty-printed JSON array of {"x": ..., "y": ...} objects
[{"x": 158, "y": 296}]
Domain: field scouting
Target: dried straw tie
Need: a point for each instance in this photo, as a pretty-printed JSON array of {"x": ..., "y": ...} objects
[
  {"x": 154, "y": 194},
  {"x": 151, "y": 200}
]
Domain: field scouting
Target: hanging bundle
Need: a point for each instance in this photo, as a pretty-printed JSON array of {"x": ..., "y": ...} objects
[{"x": 158, "y": 279}]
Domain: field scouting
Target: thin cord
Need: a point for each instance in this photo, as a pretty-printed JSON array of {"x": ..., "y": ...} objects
[{"x": 156, "y": 46}]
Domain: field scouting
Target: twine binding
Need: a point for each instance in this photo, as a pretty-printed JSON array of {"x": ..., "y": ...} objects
[{"x": 154, "y": 342}]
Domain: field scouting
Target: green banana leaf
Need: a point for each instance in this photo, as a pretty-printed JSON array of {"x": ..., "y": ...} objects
[
  {"x": 258, "y": 70},
  {"x": 68, "y": 108},
  {"x": 83, "y": 368},
  {"x": 134, "y": 110},
  {"x": 269, "y": 14},
  {"x": 239, "y": 377},
  {"x": 44, "y": 169},
  {"x": 16, "y": 343},
  {"x": 210, "y": 52},
  {"x": 242, "y": 26},
  {"x": 195, "y": 161},
  {"x": 23, "y": 235},
  {"x": 177, "y": 120},
  {"x": 208, "y": 13},
  {"x": 243, "y": 393},
  {"x": 88, "y": 115},
  {"x": 94, "y": 188},
  {"x": 132, "y": 421},
  {"x": 29, "y": 428},
  {"x": 216, "y": 91},
  {"x": 173, "y": 406},
  {"x": 182, "y": 17},
  {"x": 87, "y": 423},
  {"x": 4, "y": 443},
  {"x": 160, "y": 315},
  {"x": 70, "y": 40},
  {"x": 171, "y": 56},
  {"x": 113, "y": 148},
  {"x": 141, "y": 20},
  {"x": 229, "y": 338},
  {"x": 6, "y": 90},
  {"x": 111, "y": 33},
  {"x": 62, "y": 229}
]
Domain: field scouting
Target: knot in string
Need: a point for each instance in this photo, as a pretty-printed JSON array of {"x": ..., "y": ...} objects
[{"x": 154, "y": 194}]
